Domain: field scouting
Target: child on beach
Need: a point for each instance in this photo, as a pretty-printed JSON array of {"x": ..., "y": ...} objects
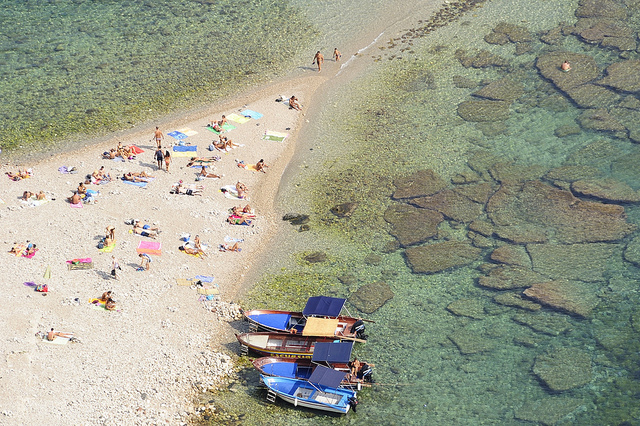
[{"x": 145, "y": 262}]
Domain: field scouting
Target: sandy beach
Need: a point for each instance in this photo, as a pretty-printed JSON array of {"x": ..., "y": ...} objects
[{"x": 144, "y": 362}]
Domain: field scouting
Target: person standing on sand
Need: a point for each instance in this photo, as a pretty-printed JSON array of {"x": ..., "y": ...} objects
[
  {"x": 336, "y": 54},
  {"x": 318, "y": 59},
  {"x": 167, "y": 159},
  {"x": 158, "y": 136},
  {"x": 159, "y": 157},
  {"x": 115, "y": 266}
]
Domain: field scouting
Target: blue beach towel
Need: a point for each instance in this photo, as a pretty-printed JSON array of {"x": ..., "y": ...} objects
[
  {"x": 177, "y": 135},
  {"x": 188, "y": 148},
  {"x": 140, "y": 184},
  {"x": 203, "y": 278},
  {"x": 252, "y": 114}
]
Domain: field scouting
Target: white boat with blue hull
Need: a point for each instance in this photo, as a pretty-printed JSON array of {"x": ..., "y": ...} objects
[{"x": 320, "y": 392}]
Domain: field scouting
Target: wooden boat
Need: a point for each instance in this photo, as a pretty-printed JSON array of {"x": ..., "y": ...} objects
[
  {"x": 320, "y": 317},
  {"x": 320, "y": 392},
  {"x": 334, "y": 355},
  {"x": 281, "y": 344}
]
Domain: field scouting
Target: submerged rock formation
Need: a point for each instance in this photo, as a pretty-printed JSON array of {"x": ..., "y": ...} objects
[
  {"x": 411, "y": 225},
  {"x": 564, "y": 368},
  {"x": 437, "y": 257},
  {"x": 575, "y": 297},
  {"x": 371, "y": 297}
]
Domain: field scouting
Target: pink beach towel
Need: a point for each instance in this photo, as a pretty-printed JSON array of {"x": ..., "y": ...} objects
[
  {"x": 150, "y": 247},
  {"x": 76, "y": 206},
  {"x": 82, "y": 260}
]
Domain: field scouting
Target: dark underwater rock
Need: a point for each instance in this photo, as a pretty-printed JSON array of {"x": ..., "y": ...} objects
[
  {"x": 418, "y": 184},
  {"x": 507, "y": 277},
  {"x": 471, "y": 307},
  {"x": 575, "y": 297},
  {"x": 600, "y": 9},
  {"x": 512, "y": 255},
  {"x": 516, "y": 300},
  {"x": 564, "y": 368},
  {"x": 584, "y": 262},
  {"x": 484, "y": 110},
  {"x": 316, "y": 257},
  {"x": 607, "y": 189},
  {"x": 411, "y": 225},
  {"x": 451, "y": 204},
  {"x": 438, "y": 257},
  {"x": 504, "y": 89},
  {"x": 624, "y": 76},
  {"x": 547, "y": 411},
  {"x": 583, "y": 69},
  {"x": 371, "y": 297},
  {"x": 600, "y": 119},
  {"x": 344, "y": 209}
]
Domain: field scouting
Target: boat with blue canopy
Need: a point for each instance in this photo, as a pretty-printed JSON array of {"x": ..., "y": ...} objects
[
  {"x": 336, "y": 355},
  {"x": 321, "y": 316},
  {"x": 321, "y": 391}
]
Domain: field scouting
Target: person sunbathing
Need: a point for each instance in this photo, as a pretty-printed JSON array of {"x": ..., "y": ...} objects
[
  {"x": 31, "y": 249},
  {"x": 110, "y": 155},
  {"x": 205, "y": 174},
  {"x": 244, "y": 211},
  {"x": 75, "y": 198},
  {"x": 82, "y": 190},
  {"x": 17, "y": 249},
  {"x": 138, "y": 224},
  {"x": 242, "y": 189},
  {"x": 51, "y": 336},
  {"x": 26, "y": 195},
  {"x": 192, "y": 251},
  {"x": 41, "y": 196},
  {"x": 238, "y": 220},
  {"x": 226, "y": 247},
  {"x": 207, "y": 160},
  {"x": 217, "y": 125},
  {"x": 110, "y": 304},
  {"x": 293, "y": 103},
  {"x": 192, "y": 190},
  {"x": 105, "y": 296},
  {"x": 136, "y": 177},
  {"x": 19, "y": 175},
  {"x": 145, "y": 232},
  {"x": 260, "y": 166}
]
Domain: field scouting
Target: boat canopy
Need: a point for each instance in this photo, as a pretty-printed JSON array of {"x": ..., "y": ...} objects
[
  {"x": 323, "y": 306},
  {"x": 332, "y": 352},
  {"x": 279, "y": 321},
  {"x": 323, "y": 327},
  {"x": 327, "y": 376}
]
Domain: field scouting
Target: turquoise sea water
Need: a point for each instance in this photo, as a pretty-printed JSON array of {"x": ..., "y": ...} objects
[{"x": 486, "y": 363}]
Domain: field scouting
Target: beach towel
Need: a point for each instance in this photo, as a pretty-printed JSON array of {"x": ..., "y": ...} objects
[
  {"x": 251, "y": 167},
  {"x": 100, "y": 305},
  {"x": 67, "y": 170},
  {"x": 208, "y": 291},
  {"x": 230, "y": 192},
  {"x": 80, "y": 266},
  {"x": 118, "y": 159},
  {"x": 187, "y": 131},
  {"x": 177, "y": 135},
  {"x": 109, "y": 248},
  {"x": 80, "y": 260},
  {"x": 58, "y": 340},
  {"x": 228, "y": 239},
  {"x": 252, "y": 114},
  {"x": 136, "y": 150},
  {"x": 187, "y": 151},
  {"x": 29, "y": 256},
  {"x": 19, "y": 249},
  {"x": 226, "y": 127},
  {"x": 203, "y": 278},
  {"x": 150, "y": 247},
  {"x": 183, "y": 281},
  {"x": 236, "y": 118},
  {"x": 270, "y": 135},
  {"x": 138, "y": 184},
  {"x": 76, "y": 206},
  {"x": 34, "y": 202}
]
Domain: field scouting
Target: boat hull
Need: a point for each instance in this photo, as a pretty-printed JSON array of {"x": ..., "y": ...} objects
[
  {"x": 281, "y": 344},
  {"x": 302, "y": 394},
  {"x": 299, "y": 369}
]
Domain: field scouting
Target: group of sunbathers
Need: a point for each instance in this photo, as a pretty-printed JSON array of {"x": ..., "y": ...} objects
[
  {"x": 137, "y": 176},
  {"x": 27, "y": 195},
  {"x": 192, "y": 189},
  {"x": 20, "y": 174},
  {"x": 109, "y": 303},
  {"x": 120, "y": 151},
  {"x": 145, "y": 230},
  {"x": 100, "y": 176},
  {"x": 241, "y": 215},
  {"x": 82, "y": 194},
  {"x": 223, "y": 144},
  {"x": 217, "y": 124},
  {"x": 23, "y": 249}
]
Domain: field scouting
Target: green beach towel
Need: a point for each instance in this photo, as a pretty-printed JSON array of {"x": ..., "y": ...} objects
[
  {"x": 227, "y": 127},
  {"x": 270, "y": 135}
]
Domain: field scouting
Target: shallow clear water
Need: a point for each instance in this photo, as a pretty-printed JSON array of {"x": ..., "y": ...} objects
[
  {"x": 78, "y": 68},
  {"x": 402, "y": 117}
]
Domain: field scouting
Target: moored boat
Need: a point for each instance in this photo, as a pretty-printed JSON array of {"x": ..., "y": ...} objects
[
  {"x": 281, "y": 344},
  {"x": 320, "y": 317},
  {"x": 334, "y": 355},
  {"x": 320, "y": 392}
]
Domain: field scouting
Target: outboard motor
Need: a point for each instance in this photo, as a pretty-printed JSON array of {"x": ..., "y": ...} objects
[
  {"x": 353, "y": 402},
  {"x": 358, "y": 329},
  {"x": 366, "y": 373}
]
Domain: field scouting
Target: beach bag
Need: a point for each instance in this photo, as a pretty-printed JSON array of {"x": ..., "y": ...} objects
[
  {"x": 113, "y": 272},
  {"x": 42, "y": 288},
  {"x": 100, "y": 245}
]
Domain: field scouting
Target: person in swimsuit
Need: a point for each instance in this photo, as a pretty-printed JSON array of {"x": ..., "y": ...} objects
[
  {"x": 336, "y": 54},
  {"x": 159, "y": 156},
  {"x": 158, "y": 136},
  {"x": 145, "y": 262},
  {"x": 192, "y": 251},
  {"x": 75, "y": 198},
  {"x": 293, "y": 103},
  {"x": 51, "y": 336},
  {"x": 27, "y": 194},
  {"x": 105, "y": 296},
  {"x": 260, "y": 166},
  {"x": 204, "y": 173},
  {"x": 318, "y": 59},
  {"x": 566, "y": 66},
  {"x": 145, "y": 232},
  {"x": 242, "y": 189},
  {"x": 167, "y": 159}
]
